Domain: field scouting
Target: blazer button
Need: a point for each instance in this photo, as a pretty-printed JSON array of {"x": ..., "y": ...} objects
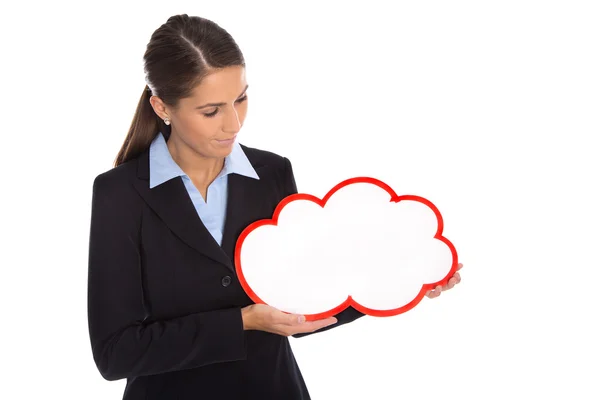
[{"x": 226, "y": 281}]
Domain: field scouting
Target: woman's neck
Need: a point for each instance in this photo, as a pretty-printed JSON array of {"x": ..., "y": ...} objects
[{"x": 199, "y": 168}]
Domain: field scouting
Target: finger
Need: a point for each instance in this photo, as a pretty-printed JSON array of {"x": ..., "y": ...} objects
[
  {"x": 311, "y": 326},
  {"x": 459, "y": 266},
  {"x": 431, "y": 294},
  {"x": 457, "y": 277},
  {"x": 283, "y": 318},
  {"x": 297, "y": 319},
  {"x": 435, "y": 292},
  {"x": 450, "y": 284}
]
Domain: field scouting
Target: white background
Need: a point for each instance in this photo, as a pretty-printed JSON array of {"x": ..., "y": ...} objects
[{"x": 488, "y": 109}]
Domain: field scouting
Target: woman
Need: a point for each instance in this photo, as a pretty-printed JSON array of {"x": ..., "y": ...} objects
[{"x": 165, "y": 308}]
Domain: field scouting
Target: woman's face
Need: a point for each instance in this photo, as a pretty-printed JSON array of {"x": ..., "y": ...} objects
[{"x": 209, "y": 120}]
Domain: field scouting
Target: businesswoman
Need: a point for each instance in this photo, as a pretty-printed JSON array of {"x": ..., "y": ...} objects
[{"x": 165, "y": 308}]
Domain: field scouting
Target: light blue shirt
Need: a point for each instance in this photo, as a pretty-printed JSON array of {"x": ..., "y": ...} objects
[{"x": 212, "y": 213}]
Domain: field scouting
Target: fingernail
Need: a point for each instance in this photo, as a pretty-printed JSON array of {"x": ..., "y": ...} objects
[{"x": 301, "y": 319}]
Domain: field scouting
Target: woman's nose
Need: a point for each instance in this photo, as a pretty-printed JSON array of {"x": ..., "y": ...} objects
[{"x": 232, "y": 121}]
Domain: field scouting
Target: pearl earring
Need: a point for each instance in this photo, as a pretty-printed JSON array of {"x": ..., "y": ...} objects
[{"x": 167, "y": 121}]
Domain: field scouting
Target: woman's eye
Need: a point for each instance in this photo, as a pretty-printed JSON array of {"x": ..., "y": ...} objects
[{"x": 212, "y": 114}]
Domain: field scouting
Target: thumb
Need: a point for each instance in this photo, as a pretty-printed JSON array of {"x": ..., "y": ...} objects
[{"x": 297, "y": 319}]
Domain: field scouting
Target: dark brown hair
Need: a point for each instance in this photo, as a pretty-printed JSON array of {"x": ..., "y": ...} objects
[{"x": 179, "y": 55}]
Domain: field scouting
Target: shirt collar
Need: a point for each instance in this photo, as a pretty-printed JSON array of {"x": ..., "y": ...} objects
[{"x": 163, "y": 168}]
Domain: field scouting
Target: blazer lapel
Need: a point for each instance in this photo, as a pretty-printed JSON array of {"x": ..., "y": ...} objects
[
  {"x": 237, "y": 194},
  {"x": 245, "y": 204},
  {"x": 173, "y": 205}
]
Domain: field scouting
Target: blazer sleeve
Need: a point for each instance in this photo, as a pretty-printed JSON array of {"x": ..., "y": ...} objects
[
  {"x": 349, "y": 314},
  {"x": 124, "y": 343}
]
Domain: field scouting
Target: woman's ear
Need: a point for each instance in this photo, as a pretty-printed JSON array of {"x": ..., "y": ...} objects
[{"x": 159, "y": 107}]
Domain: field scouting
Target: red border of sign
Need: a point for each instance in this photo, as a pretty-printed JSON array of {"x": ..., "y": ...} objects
[{"x": 349, "y": 301}]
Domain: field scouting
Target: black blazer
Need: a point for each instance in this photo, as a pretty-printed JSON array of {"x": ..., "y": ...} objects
[{"x": 164, "y": 303}]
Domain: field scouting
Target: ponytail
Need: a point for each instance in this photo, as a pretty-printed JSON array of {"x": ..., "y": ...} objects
[{"x": 144, "y": 127}]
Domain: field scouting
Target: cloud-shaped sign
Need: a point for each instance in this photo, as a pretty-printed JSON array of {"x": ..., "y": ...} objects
[{"x": 361, "y": 246}]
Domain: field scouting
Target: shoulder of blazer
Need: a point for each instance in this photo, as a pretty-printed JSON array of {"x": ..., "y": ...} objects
[
  {"x": 117, "y": 182},
  {"x": 269, "y": 165}
]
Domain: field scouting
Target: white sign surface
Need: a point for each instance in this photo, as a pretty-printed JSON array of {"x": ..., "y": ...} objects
[{"x": 361, "y": 245}]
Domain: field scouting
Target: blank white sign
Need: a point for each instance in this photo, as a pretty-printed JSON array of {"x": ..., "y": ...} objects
[{"x": 361, "y": 245}]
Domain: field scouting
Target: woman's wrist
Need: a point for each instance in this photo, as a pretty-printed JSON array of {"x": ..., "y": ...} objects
[{"x": 247, "y": 320}]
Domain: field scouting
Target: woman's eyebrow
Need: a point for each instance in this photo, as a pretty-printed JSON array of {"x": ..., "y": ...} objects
[{"x": 221, "y": 104}]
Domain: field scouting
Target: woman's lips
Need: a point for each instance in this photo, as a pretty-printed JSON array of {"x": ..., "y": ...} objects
[{"x": 226, "y": 141}]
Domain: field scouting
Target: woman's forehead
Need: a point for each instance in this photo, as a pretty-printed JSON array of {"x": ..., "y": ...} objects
[{"x": 221, "y": 85}]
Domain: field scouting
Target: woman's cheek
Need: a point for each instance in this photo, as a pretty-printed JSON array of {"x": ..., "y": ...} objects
[{"x": 201, "y": 129}]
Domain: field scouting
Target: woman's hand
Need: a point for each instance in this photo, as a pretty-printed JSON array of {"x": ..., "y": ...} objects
[
  {"x": 262, "y": 317},
  {"x": 449, "y": 285}
]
